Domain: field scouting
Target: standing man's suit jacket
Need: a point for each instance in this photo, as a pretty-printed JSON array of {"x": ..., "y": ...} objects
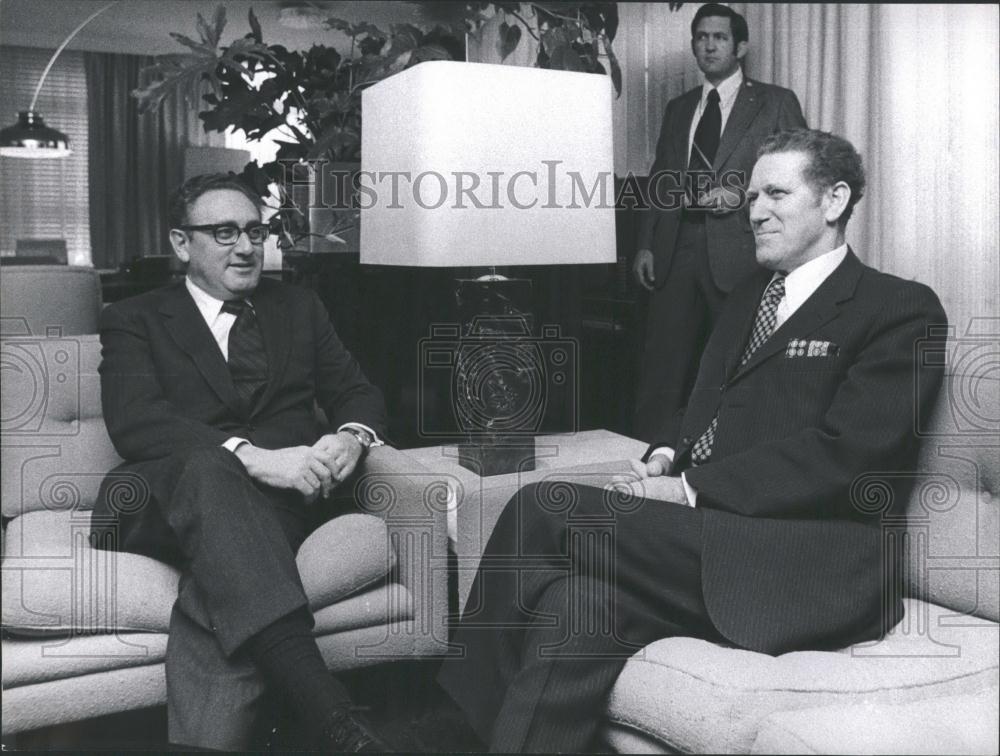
[
  {"x": 793, "y": 554},
  {"x": 760, "y": 110},
  {"x": 166, "y": 387}
]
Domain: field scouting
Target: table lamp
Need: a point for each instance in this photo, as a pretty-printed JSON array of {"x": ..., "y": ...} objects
[{"x": 478, "y": 165}]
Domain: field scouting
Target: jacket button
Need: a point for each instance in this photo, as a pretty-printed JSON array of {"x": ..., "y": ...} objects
[{"x": 686, "y": 440}]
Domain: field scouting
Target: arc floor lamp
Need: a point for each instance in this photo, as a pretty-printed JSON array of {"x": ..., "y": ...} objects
[{"x": 30, "y": 137}]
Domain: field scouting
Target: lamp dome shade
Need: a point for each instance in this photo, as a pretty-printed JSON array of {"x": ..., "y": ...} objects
[{"x": 31, "y": 138}]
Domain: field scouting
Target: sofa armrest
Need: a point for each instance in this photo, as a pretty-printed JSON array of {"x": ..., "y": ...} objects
[
  {"x": 412, "y": 501},
  {"x": 951, "y": 724}
]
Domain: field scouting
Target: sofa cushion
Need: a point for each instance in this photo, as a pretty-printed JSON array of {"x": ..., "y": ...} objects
[
  {"x": 39, "y": 299},
  {"x": 694, "y": 696},
  {"x": 952, "y": 724},
  {"x": 344, "y": 556},
  {"x": 380, "y": 606},
  {"x": 53, "y": 581},
  {"x": 73, "y": 699},
  {"x": 55, "y": 447},
  {"x": 27, "y": 661}
]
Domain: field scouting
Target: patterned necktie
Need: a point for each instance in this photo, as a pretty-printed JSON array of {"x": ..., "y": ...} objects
[
  {"x": 763, "y": 327},
  {"x": 247, "y": 358},
  {"x": 705, "y": 144}
]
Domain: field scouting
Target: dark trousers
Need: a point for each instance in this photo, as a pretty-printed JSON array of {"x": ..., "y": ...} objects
[
  {"x": 234, "y": 542},
  {"x": 574, "y": 581},
  {"x": 679, "y": 319}
]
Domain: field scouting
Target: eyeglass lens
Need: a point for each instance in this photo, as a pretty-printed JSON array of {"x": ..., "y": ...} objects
[{"x": 230, "y": 234}]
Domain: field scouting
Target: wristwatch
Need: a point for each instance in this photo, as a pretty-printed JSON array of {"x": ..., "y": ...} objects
[{"x": 364, "y": 437}]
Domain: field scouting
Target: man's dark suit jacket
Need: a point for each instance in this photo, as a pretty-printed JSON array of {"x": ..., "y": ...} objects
[
  {"x": 166, "y": 388},
  {"x": 793, "y": 555},
  {"x": 759, "y": 110}
]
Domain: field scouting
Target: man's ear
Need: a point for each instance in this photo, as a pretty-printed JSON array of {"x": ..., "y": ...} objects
[
  {"x": 179, "y": 241},
  {"x": 741, "y": 49},
  {"x": 835, "y": 201}
]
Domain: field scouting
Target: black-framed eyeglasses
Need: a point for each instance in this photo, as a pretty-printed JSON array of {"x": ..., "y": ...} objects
[{"x": 229, "y": 233}]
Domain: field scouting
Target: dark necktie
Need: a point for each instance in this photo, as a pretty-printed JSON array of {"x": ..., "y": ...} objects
[
  {"x": 763, "y": 327},
  {"x": 247, "y": 358},
  {"x": 706, "y": 142}
]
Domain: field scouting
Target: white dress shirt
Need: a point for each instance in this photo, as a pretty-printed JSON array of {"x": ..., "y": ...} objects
[
  {"x": 220, "y": 324},
  {"x": 728, "y": 90},
  {"x": 800, "y": 284}
]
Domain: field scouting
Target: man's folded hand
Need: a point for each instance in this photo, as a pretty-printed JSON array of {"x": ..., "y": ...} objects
[
  {"x": 302, "y": 468},
  {"x": 649, "y": 481},
  {"x": 340, "y": 453}
]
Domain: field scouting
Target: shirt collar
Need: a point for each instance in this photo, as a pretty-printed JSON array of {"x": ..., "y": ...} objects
[
  {"x": 728, "y": 89},
  {"x": 805, "y": 279},
  {"x": 208, "y": 306}
]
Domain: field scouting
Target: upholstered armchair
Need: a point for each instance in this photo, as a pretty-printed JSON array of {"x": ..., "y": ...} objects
[
  {"x": 85, "y": 631},
  {"x": 929, "y": 686}
]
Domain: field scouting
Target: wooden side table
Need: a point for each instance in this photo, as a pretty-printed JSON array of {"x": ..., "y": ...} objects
[{"x": 590, "y": 458}]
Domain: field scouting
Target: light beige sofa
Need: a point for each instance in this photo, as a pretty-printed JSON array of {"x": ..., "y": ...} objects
[
  {"x": 931, "y": 686},
  {"x": 85, "y": 631}
]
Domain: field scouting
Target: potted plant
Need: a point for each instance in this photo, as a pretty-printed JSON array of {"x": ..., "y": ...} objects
[{"x": 313, "y": 97}]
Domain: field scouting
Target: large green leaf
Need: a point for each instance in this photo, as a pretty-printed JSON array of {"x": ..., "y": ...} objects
[
  {"x": 405, "y": 38},
  {"x": 185, "y": 71},
  {"x": 336, "y": 142},
  {"x": 510, "y": 36},
  {"x": 255, "y": 32},
  {"x": 429, "y": 52}
]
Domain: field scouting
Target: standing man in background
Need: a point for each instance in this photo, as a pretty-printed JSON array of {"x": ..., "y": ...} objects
[{"x": 695, "y": 245}]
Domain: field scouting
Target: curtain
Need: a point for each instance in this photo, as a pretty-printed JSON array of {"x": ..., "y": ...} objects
[
  {"x": 135, "y": 161},
  {"x": 916, "y": 88},
  {"x": 654, "y": 46}
]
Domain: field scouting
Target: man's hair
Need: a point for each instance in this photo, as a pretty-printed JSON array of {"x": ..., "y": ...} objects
[
  {"x": 831, "y": 159},
  {"x": 188, "y": 193},
  {"x": 741, "y": 33}
]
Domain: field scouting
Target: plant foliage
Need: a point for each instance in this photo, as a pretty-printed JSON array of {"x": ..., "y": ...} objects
[{"x": 313, "y": 97}]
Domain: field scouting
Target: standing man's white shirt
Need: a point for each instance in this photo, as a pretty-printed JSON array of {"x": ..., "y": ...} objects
[{"x": 800, "y": 284}]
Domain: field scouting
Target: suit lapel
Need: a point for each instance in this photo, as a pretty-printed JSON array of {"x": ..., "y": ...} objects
[
  {"x": 272, "y": 317},
  {"x": 685, "y": 115},
  {"x": 745, "y": 109},
  {"x": 820, "y": 308},
  {"x": 748, "y": 313},
  {"x": 186, "y": 326}
]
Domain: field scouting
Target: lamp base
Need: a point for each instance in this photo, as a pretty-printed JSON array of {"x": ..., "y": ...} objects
[{"x": 497, "y": 455}]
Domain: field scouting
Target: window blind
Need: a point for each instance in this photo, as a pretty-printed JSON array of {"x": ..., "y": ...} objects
[{"x": 46, "y": 198}]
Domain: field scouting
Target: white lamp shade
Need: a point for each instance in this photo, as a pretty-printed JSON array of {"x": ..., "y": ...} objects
[{"x": 530, "y": 145}]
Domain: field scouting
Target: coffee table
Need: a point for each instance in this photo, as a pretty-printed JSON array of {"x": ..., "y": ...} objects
[{"x": 475, "y": 503}]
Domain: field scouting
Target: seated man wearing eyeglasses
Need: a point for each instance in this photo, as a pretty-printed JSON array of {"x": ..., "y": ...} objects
[{"x": 208, "y": 389}]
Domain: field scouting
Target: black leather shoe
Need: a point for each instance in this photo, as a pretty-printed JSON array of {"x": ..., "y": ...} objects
[{"x": 348, "y": 731}]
